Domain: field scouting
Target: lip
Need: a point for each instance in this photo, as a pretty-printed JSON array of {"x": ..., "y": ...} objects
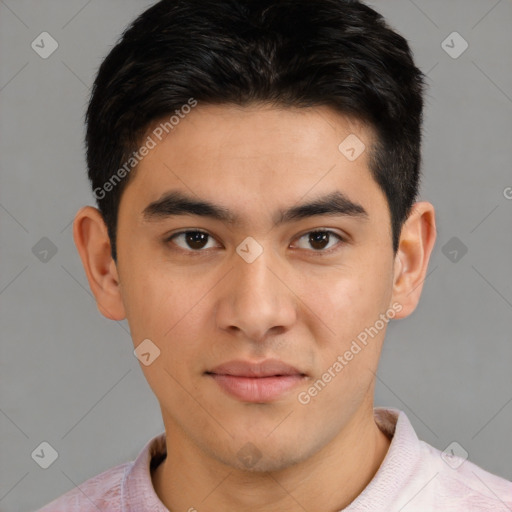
[{"x": 256, "y": 382}]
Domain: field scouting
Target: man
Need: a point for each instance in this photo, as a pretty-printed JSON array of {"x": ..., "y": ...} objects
[{"x": 256, "y": 166}]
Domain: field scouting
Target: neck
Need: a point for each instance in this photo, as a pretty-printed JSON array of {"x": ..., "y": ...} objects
[{"x": 189, "y": 479}]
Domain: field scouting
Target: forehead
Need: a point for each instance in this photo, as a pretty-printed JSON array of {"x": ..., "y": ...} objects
[
  {"x": 239, "y": 131},
  {"x": 257, "y": 156}
]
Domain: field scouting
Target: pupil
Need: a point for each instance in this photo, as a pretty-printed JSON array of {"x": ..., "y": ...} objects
[
  {"x": 320, "y": 237},
  {"x": 196, "y": 239}
]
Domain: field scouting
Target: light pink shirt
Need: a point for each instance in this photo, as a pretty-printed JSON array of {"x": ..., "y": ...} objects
[{"x": 413, "y": 477}]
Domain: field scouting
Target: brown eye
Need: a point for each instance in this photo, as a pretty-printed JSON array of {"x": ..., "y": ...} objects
[
  {"x": 320, "y": 240},
  {"x": 191, "y": 240}
]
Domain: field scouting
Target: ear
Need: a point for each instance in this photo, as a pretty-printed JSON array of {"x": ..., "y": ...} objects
[
  {"x": 411, "y": 261},
  {"x": 93, "y": 244}
]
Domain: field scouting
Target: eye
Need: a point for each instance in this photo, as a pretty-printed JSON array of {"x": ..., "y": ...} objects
[
  {"x": 319, "y": 240},
  {"x": 194, "y": 240}
]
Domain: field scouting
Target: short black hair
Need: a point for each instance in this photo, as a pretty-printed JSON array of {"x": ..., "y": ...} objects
[{"x": 287, "y": 53}]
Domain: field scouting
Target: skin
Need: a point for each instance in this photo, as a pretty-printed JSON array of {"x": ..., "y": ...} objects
[{"x": 291, "y": 303}]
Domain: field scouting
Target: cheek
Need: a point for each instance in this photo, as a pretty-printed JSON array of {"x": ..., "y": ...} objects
[
  {"x": 170, "y": 309},
  {"x": 153, "y": 300},
  {"x": 162, "y": 310},
  {"x": 348, "y": 299}
]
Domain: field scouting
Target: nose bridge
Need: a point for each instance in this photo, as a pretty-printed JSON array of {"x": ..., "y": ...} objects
[
  {"x": 257, "y": 300},
  {"x": 255, "y": 278}
]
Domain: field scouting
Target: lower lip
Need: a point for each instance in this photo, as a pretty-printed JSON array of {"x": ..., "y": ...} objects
[{"x": 257, "y": 389}]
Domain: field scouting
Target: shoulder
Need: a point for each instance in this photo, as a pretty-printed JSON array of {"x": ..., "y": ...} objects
[
  {"x": 417, "y": 477},
  {"x": 101, "y": 492},
  {"x": 457, "y": 482}
]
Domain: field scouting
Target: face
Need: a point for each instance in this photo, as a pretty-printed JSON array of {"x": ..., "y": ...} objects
[{"x": 268, "y": 315}]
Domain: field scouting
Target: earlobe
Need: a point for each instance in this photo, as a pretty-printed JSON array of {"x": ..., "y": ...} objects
[
  {"x": 417, "y": 240},
  {"x": 93, "y": 244}
]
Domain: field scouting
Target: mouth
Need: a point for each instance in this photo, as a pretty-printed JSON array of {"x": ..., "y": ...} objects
[{"x": 256, "y": 382}]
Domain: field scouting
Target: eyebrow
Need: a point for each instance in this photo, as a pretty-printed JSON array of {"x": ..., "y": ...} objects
[{"x": 175, "y": 203}]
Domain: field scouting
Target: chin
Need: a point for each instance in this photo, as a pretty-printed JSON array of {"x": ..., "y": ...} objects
[{"x": 260, "y": 455}]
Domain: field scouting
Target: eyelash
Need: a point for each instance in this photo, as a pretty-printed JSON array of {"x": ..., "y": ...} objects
[{"x": 318, "y": 252}]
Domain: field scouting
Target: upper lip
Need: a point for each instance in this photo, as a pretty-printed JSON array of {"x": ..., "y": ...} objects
[{"x": 266, "y": 368}]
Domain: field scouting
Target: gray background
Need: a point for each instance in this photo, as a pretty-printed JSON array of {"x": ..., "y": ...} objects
[{"x": 69, "y": 376}]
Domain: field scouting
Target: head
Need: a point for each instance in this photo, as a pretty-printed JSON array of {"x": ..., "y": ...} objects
[{"x": 288, "y": 135}]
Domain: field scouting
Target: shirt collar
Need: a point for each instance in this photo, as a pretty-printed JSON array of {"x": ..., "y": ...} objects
[
  {"x": 399, "y": 463},
  {"x": 137, "y": 491}
]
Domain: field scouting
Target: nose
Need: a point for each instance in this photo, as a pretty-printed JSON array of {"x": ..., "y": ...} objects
[{"x": 258, "y": 299}]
